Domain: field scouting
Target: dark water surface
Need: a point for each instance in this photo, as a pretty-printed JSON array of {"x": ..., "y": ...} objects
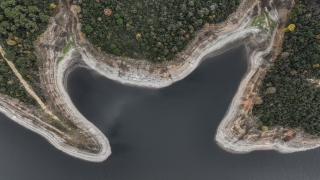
[{"x": 164, "y": 134}]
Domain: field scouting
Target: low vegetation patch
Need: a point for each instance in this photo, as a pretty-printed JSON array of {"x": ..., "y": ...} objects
[
  {"x": 65, "y": 50},
  {"x": 264, "y": 21}
]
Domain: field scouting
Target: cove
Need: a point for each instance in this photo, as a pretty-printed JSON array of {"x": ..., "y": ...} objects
[{"x": 158, "y": 134}]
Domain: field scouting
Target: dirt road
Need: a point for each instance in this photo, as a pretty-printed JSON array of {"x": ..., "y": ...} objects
[{"x": 27, "y": 87}]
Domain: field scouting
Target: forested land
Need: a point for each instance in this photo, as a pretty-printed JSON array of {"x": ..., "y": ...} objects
[
  {"x": 155, "y": 30},
  {"x": 21, "y": 23},
  {"x": 289, "y": 99}
]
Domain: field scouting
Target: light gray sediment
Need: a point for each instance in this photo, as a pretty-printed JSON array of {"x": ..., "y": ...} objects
[{"x": 142, "y": 73}]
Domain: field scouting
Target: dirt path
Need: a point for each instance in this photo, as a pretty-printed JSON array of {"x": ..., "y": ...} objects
[{"x": 27, "y": 87}]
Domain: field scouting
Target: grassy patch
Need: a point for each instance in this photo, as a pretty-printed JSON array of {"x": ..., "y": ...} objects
[
  {"x": 65, "y": 50},
  {"x": 259, "y": 20},
  {"x": 59, "y": 60},
  {"x": 264, "y": 22},
  {"x": 67, "y": 47}
]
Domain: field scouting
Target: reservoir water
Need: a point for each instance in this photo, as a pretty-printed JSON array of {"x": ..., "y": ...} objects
[{"x": 163, "y": 134}]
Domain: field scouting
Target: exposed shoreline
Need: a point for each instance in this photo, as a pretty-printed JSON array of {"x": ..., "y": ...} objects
[
  {"x": 138, "y": 73},
  {"x": 146, "y": 74},
  {"x": 210, "y": 42},
  {"x": 53, "y": 76},
  {"x": 234, "y": 131}
]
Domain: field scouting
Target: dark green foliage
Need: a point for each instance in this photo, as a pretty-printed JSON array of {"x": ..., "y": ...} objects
[
  {"x": 22, "y": 21},
  {"x": 166, "y": 26},
  {"x": 10, "y": 85},
  {"x": 296, "y": 102},
  {"x": 88, "y": 29},
  {"x": 116, "y": 51}
]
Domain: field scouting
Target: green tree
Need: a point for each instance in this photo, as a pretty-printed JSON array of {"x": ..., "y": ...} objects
[
  {"x": 117, "y": 52},
  {"x": 119, "y": 21},
  {"x": 88, "y": 29},
  {"x": 113, "y": 46}
]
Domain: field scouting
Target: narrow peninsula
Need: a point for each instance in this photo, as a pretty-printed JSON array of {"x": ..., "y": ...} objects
[{"x": 40, "y": 51}]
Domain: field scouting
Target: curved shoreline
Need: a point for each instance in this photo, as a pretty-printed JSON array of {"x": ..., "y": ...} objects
[
  {"x": 237, "y": 115},
  {"x": 137, "y": 73},
  {"x": 53, "y": 77},
  {"x": 61, "y": 73},
  {"x": 142, "y": 79},
  {"x": 142, "y": 73},
  {"x": 16, "y": 112}
]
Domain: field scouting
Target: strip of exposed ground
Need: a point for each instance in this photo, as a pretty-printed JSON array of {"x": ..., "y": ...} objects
[
  {"x": 235, "y": 133},
  {"x": 27, "y": 86},
  {"x": 41, "y": 127},
  {"x": 52, "y": 51},
  {"x": 57, "y": 64}
]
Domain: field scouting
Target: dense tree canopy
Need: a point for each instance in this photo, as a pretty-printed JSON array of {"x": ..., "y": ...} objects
[
  {"x": 153, "y": 30},
  {"x": 295, "y": 101},
  {"x": 21, "y": 22}
]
